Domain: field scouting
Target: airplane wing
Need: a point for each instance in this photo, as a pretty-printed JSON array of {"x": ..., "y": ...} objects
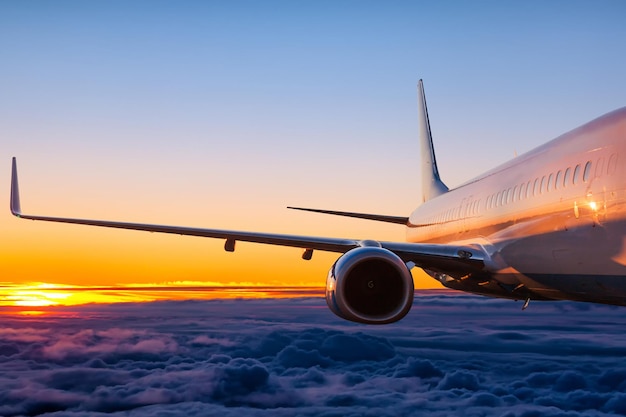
[{"x": 432, "y": 256}]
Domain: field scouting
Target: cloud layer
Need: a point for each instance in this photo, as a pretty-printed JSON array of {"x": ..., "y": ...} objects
[{"x": 453, "y": 354}]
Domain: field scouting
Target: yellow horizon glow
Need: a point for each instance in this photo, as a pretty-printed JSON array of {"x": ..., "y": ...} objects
[
  {"x": 24, "y": 298},
  {"x": 49, "y": 295}
]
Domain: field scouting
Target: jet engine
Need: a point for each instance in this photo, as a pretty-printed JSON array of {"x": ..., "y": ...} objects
[{"x": 370, "y": 285}]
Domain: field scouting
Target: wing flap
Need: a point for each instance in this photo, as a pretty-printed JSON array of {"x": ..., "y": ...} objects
[{"x": 453, "y": 260}]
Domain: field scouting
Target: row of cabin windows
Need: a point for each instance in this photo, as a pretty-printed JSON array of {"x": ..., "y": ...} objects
[
  {"x": 540, "y": 186},
  {"x": 562, "y": 179},
  {"x": 547, "y": 183},
  {"x": 468, "y": 209}
]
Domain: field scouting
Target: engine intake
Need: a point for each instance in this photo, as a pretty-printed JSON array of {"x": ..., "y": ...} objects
[{"x": 370, "y": 285}]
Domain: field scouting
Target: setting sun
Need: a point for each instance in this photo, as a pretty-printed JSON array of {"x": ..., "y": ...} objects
[{"x": 36, "y": 295}]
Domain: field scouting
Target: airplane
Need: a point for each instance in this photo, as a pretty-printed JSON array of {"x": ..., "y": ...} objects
[{"x": 548, "y": 225}]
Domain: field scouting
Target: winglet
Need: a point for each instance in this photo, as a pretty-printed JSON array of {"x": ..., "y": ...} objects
[
  {"x": 432, "y": 186},
  {"x": 15, "y": 191}
]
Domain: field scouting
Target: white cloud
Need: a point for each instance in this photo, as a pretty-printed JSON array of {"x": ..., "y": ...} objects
[{"x": 282, "y": 358}]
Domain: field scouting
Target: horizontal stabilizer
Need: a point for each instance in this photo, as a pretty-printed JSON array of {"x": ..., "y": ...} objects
[{"x": 376, "y": 217}]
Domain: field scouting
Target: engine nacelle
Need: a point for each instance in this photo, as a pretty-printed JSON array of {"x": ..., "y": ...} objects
[{"x": 370, "y": 285}]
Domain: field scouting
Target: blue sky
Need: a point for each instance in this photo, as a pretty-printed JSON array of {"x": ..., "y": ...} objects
[
  {"x": 220, "y": 114},
  {"x": 140, "y": 76}
]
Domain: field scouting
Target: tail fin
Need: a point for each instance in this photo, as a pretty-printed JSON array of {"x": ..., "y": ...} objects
[{"x": 432, "y": 186}]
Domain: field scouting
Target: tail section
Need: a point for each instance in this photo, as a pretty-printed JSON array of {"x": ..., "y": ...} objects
[{"x": 432, "y": 186}]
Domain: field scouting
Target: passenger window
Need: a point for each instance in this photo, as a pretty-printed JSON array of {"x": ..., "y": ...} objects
[
  {"x": 521, "y": 191},
  {"x": 514, "y": 194},
  {"x": 509, "y": 196},
  {"x": 529, "y": 189},
  {"x": 557, "y": 180},
  {"x": 536, "y": 187},
  {"x": 568, "y": 171},
  {"x": 587, "y": 171},
  {"x": 576, "y": 174},
  {"x": 599, "y": 167},
  {"x": 543, "y": 185},
  {"x": 612, "y": 166},
  {"x": 549, "y": 184},
  {"x": 498, "y": 199}
]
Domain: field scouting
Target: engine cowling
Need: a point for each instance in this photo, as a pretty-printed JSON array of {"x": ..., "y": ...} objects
[{"x": 370, "y": 285}]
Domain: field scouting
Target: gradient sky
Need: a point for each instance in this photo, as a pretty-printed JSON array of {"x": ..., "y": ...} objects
[{"x": 220, "y": 114}]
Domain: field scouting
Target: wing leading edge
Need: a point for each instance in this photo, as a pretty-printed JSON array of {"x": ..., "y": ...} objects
[{"x": 429, "y": 256}]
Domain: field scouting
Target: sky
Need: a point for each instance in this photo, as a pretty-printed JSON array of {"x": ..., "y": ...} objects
[
  {"x": 221, "y": 114},
  {"x": 452, "y": 355}
]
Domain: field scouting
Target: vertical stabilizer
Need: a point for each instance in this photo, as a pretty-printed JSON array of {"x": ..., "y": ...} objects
[{"x": 432, "y": 186}]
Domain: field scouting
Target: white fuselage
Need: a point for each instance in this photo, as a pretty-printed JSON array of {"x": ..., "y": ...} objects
[{"x": 552, "y": 222}]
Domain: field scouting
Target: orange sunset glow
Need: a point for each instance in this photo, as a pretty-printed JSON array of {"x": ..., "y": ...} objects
[
  {"x": 52, "y": 264},
  {"x": 34, "y": 295}
]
